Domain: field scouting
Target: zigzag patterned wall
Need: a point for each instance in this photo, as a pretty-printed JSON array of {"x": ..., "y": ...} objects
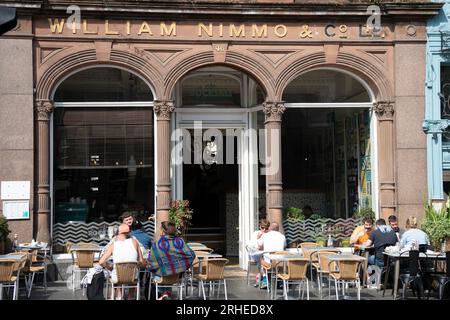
[
  {"x": 88, "y": 232},
  {"x": 308, "y": 230}
]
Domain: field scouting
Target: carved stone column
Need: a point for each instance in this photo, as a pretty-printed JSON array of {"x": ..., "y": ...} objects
[
  {"x": 43, "y": 109},
  {"x": 274, "y": 183},
  {"x": 163, "y": 111},
  {"x": 385, "y": 113}
]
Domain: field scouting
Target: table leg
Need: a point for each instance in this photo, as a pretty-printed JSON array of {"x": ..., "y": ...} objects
[
  {"x": 396, "y": 276},
  {"x": 366, "y": 263},
  {"x": 386, "y": 277},
  {"x": 1, "y": 291}
]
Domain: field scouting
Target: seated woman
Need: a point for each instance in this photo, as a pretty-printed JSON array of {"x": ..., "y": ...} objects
[
  {"x": 253, "y": 247},
  {"x": 170, "y": 254},
  {"x": 123, "y": 249},
  {"x": 413, "y": 234}
]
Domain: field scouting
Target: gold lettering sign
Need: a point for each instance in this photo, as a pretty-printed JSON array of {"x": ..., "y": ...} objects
[{"x": 158, "y": 29}]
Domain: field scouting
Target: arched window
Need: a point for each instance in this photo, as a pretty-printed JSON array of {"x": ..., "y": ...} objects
[
  {"x": 104, "y": 84},
  {"x": 325, "y": 86}
]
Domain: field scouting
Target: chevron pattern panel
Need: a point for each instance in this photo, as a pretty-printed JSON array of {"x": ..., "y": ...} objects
[
  {"x": 308, "y": 230},
  {"x": 88, "y": 232}
]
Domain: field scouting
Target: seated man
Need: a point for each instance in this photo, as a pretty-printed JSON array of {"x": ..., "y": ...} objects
[
  {"x": 361, "y": 233},
  {"x": 381, "y": 238},
  {"x": 393, "y": 222},
  {"x": 271, "y": 241}
]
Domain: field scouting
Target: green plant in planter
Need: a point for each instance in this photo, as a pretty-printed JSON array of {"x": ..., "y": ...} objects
[
  {"x": 320, "y": 240},
  {"x": 181, "y": 214},
  {"x": 4, "y": 229},
  {"x": 295, "y": 214},
  {"x": 364, "y": 213},
  {"x": 315, "y": 216},
  {"x": 437, "y": 224}
]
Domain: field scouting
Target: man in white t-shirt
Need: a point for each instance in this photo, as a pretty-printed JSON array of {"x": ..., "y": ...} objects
[{"x": 273, "y": 240}]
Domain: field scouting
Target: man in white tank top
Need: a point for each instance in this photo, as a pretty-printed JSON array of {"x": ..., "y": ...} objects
[{"x": 123, "y": 249}]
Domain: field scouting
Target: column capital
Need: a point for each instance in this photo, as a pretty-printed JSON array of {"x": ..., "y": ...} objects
[
  {"x": 384, "y": 110},
  {"x": 163, "y": 109},
  {"x": 273, "y": 110},
  {"x": 435, "y": 126},
  {"x": 43, "y": 109}
]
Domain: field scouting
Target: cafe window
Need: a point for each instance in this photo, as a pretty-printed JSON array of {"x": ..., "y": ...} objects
[
  {"x": 103, "y": 163},
  {"x": 103, "y": 84},
  {"x": 325, "y": 86}
]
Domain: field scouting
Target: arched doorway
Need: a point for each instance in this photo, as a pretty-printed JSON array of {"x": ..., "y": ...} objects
[
  {"x": 102, "y": 149},
  {"x": 329, "y": 137},
  {"x": 218, "y": 113}
]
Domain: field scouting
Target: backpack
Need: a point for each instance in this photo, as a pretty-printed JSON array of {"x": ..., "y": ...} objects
[{"x": 94, "y": 291}]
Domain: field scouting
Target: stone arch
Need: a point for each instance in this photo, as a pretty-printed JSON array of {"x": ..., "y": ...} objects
[
  {"x": 72, "y": 62},
  {"x": 233, "y": 59},
  {"x": 360, "y": 68}
]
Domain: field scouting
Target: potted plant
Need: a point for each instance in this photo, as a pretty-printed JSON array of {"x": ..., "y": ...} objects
[
  {"x": 437, "y": 225},
  {"x": 295, "y": 214},
  {"x": 320, "y": 240},
  {"x": 181, "y": 214},
  {"x": 364, "y": 213},
  {"x": 315, "y": 216},
  {"x": 4, "y": 232}
]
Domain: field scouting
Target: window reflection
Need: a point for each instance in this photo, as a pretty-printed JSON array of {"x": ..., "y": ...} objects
[{"x": 103, "y": 163}]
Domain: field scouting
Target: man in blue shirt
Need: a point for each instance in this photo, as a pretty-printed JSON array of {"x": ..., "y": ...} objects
[{"x": 140, "y": 235}]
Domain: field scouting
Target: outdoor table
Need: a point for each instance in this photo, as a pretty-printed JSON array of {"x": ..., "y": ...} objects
[
  {"x": 396, "y": 257},
  {"x": 202, "y": 256}
]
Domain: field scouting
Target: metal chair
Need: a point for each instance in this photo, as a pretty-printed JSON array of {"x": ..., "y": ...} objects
[
  {"x": 344, "y": 271},
  {"x": 214, "y": 274},
  {"x": 127, "y": 277},
  {"x": 319, "y": 261},
  {"x": 172, "y": 281},
  {"x": 82, "y": 261},
  {"x": 297, "y": 270},
  {"x": 412, "y": 274},
  {"x": 442, "y": 278},
  {"x": 250, "y": 262},
  {"x": 9, "y": 275}
]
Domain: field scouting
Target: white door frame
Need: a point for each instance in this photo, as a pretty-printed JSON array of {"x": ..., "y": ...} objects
[{"x": 219, "y": 118}]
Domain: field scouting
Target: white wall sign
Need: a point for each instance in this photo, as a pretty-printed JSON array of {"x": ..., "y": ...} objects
[
  {"x": 16, "y": 209},
  {"x": 15, "y": 190}
]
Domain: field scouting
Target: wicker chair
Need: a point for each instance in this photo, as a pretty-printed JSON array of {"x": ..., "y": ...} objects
[
  {"x": 297, "y": 269},
  {"x": 173, "y": 281},
  {"x": 82, "y": 261},
  {"x": 347, "y": 271},
  {"x": 9, "y": 275},
  {"x": 307, "y": 245},
  {"x": 214, "y": 273},
  {"x": 127, "y": 277},
  {"x": 250, "y": 262},
  {"x": 195, "y": 269},
  {"x": 319, "y": 261},
  {"x": 271, "y": 269}
]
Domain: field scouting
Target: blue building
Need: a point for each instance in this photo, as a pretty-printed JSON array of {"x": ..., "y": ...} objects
[{"x": 437, "y": 114}]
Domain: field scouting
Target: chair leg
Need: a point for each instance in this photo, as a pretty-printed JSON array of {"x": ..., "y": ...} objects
[
  {"x": 248, "y": 272},
  {"x": 30, "y": 284},
  {"x": 138, "y": 293},
  {"x": 285, "y": 289},
  {"x": 359, "y": 290},
  {"x": 307, "y": 289},
  {"x": 15, "y": 289},
  {"x": 218, "y": 289},
  {"x": 329, "y": 288},
  {"x": 337, "y": 289},
  {"x": 203, "y": 290},
  {"x": 404, "y": 290},
  {"x": 73, "y": 279},
  {"x": 225, "y": 289},
  {"x": 156, "y": 291}
]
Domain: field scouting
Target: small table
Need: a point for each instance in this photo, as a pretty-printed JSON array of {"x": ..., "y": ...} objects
[{"x": 397, "y": 257}]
